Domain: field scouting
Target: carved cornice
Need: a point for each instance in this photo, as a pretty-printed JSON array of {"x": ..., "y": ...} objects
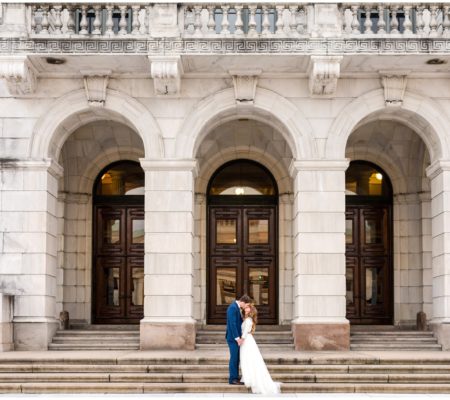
[
  {"x": 19, "y": 73},
  {"x": 324, "y": 72},
  {"x": 166, "y": 73},
  {"x": 394, "y": 85},
  {"x": 95, "y": 84},
  {"x": 245, "y": 85}
]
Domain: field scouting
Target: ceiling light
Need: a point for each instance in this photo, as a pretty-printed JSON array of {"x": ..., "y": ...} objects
[
  {"x": 55, "y": 61},
  {"x": 436, "y": 61}
]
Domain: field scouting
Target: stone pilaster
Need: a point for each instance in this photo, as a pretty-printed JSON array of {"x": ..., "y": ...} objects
[
  {"x": 439, "y": 174},
  {"x": 319, "y": 255},
  {"x": 169, "y": 255},
  {"x": 28, "y": 239}
]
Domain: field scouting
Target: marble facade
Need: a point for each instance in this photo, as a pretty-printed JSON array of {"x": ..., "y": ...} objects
[{"x": 275, "y": 97}]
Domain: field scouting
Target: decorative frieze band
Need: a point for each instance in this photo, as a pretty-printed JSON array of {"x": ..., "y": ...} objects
[
  {"x": 19, "y": 73},
  {"x": 95, "y": 84},
  {"x": 324, "y": 72},
  {"x": 166, "y": 73}
]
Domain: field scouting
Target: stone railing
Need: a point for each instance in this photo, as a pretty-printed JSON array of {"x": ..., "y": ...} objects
[{"x": 239, "y": 20}]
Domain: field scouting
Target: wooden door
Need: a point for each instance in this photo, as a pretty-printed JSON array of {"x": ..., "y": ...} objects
[
  {"x": 369, "y": 264},
  {"x": 118, "y": 264},
  {"x": 242, "y": 259}
]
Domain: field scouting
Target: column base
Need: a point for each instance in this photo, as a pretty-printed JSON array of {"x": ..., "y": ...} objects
[
  {"x": 321, "y": 336},
  {"x": 442, "y": 333},
  {"x": 34, "y": 335},
  {"x": 167, "y": 336}
]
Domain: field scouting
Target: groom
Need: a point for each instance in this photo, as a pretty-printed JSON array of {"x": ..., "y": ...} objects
[{"x": 233, "y": 336}]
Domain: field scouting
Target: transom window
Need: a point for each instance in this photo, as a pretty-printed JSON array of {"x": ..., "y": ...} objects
[
  {"x": 119, "y": 179},
  {"x": 242, "y": 177},
  {"x": 365, "y": 179}
]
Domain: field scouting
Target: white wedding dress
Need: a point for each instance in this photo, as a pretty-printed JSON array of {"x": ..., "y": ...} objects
[{"x": 253, "y": 368}]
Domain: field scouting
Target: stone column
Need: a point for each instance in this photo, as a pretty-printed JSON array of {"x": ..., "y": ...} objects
[
  {"x": 439, "y": 174},
  {"x": 319, "y": 255},
  {"x": 28, "y": 258},
  {"x": 169, "y": 255},
  {"x": 427, "y": 276}
]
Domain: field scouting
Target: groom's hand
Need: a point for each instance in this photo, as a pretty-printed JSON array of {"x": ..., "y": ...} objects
[{"x": 240, "y": 341}]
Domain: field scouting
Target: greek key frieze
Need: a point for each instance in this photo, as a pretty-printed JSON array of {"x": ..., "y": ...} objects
[{"x": 340, "y": 46}]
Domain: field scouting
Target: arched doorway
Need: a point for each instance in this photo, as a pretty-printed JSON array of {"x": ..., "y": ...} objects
[
  {"x": 242, "y": 239},
  {"x": 118, "y": 244},
  {"x": 368, "y": 236}
]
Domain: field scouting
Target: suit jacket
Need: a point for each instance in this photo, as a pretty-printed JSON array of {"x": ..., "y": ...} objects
[{"x": 234, "y": 322}]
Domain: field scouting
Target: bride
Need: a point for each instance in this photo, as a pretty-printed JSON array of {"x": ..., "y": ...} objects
[{"x": 253, "y": 367}]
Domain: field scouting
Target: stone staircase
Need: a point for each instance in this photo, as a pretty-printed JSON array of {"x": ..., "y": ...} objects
[
  {"x": 96, "y": 337},
  {"x": 207, "y": 371},
  {"x": 390, "y": 338},
  {"x": 267, "y": 336}
]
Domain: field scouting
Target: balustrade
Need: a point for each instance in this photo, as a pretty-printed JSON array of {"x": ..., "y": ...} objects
[
  {"x": 89, "y": 20},
  {"x": 253, "y": 20},
  {"x": 390, "y": 20},
  {"x": 245, "y": 20}
]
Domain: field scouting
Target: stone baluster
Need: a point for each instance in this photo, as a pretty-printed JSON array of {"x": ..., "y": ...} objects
[
  {"x": 239, "y": 25},
  {"x": 394, "y": 20},
  {"x": 97, "y": 21},
  {"x": 301, "y": 26},
  {"x": 420, "y": 21},
  {"x": 355, "y": 22},
  {"x": 368, "y": 21},
  {"x": 33, "y": 22},
  {"x": 381, "y": 21},
  {"x": 433, "y": 21},
  {"x": 123, "y": 20},
  {"x": 83, "y": 22},
  {"x": 280, "y": 23},
  {"x": 109, "y": 21},
  {"x": 58, "y": 21},
  {"x": 252, "y": 32},
  {"x": 188, "y": 22},
  {"x": 44, "y": 22},
  {"x": 446, "y": 23},
  {"x": 211, "y": 21},
  {"x": 293, "y": 21},
  {"x": 225, "y": 24},
  {"x": 198, "y": 21},
  {"x": 407, "y": 24},
  {"x": 147, "y": 19},
  {"x": 347, "y": 28},
  {"x": 136, "y": 25},
  {"x": 265, "y": 22},
  {"x": 70, "y": 20}
]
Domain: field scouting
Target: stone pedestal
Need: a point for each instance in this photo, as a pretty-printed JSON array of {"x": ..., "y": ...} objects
[
  {"x": 169, "y": 255},
  {"x": 6, "y": 326},
  {"x": 319, "y": 255},
  {"x": 439, "y": 174}
]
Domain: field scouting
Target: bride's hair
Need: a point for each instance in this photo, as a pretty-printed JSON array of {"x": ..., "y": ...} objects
[{"x": 253, "y": 314}]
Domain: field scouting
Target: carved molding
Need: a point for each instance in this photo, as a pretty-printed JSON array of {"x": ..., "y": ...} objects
[
  {"x": 20, "y": 75},
  {"x": 324, "y": 73},
  {"x": 166, "y": 73},
  {"x": 394, "y": 85},
  {"x": 245, "y": 85},
  {"x": 95, "y": 84}
]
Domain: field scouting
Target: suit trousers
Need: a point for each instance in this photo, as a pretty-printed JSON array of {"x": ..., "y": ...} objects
[{"x": 234, "y": 360}]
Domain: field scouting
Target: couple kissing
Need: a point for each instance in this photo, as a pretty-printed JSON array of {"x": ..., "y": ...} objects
[{"x": 241, "y": 324}]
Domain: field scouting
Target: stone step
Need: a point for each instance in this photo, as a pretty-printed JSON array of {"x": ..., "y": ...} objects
[
  {"x": 223, "y": 328},
  {"x": 395, "y": 334},
  {"x": 258, "y": 340},
  {"x": 104, "y": 327},
  {"x": 73, "y": 332},
  {"x": 93, "y": 346},
  {"x": 393, "y": 340},
  {"x": 219, "y": 378},
  {"x": 132, "y": 387},
  {"x": 394, "y": 347},
  {"x": 95, "y": 339},
  {"x": 210, "y": 346}
]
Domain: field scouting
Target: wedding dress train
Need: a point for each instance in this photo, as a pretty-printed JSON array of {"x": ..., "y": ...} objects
[{"x": 254, "y": 371}]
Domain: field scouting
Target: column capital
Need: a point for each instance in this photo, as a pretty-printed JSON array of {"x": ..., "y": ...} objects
[
  {"x": 169, "y": 165},
  {"x": 317, "y": 165},
  {"x": 437, "y": 167},
  {"x": 166, "y": 74},
  {"x": 48, "y": 164}
]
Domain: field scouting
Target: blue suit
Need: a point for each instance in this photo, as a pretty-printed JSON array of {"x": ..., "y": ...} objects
[{"x": 234, "y": 330}]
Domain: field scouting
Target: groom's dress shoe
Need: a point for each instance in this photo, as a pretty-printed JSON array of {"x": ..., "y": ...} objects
[{"x": 236, "y": 382}]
